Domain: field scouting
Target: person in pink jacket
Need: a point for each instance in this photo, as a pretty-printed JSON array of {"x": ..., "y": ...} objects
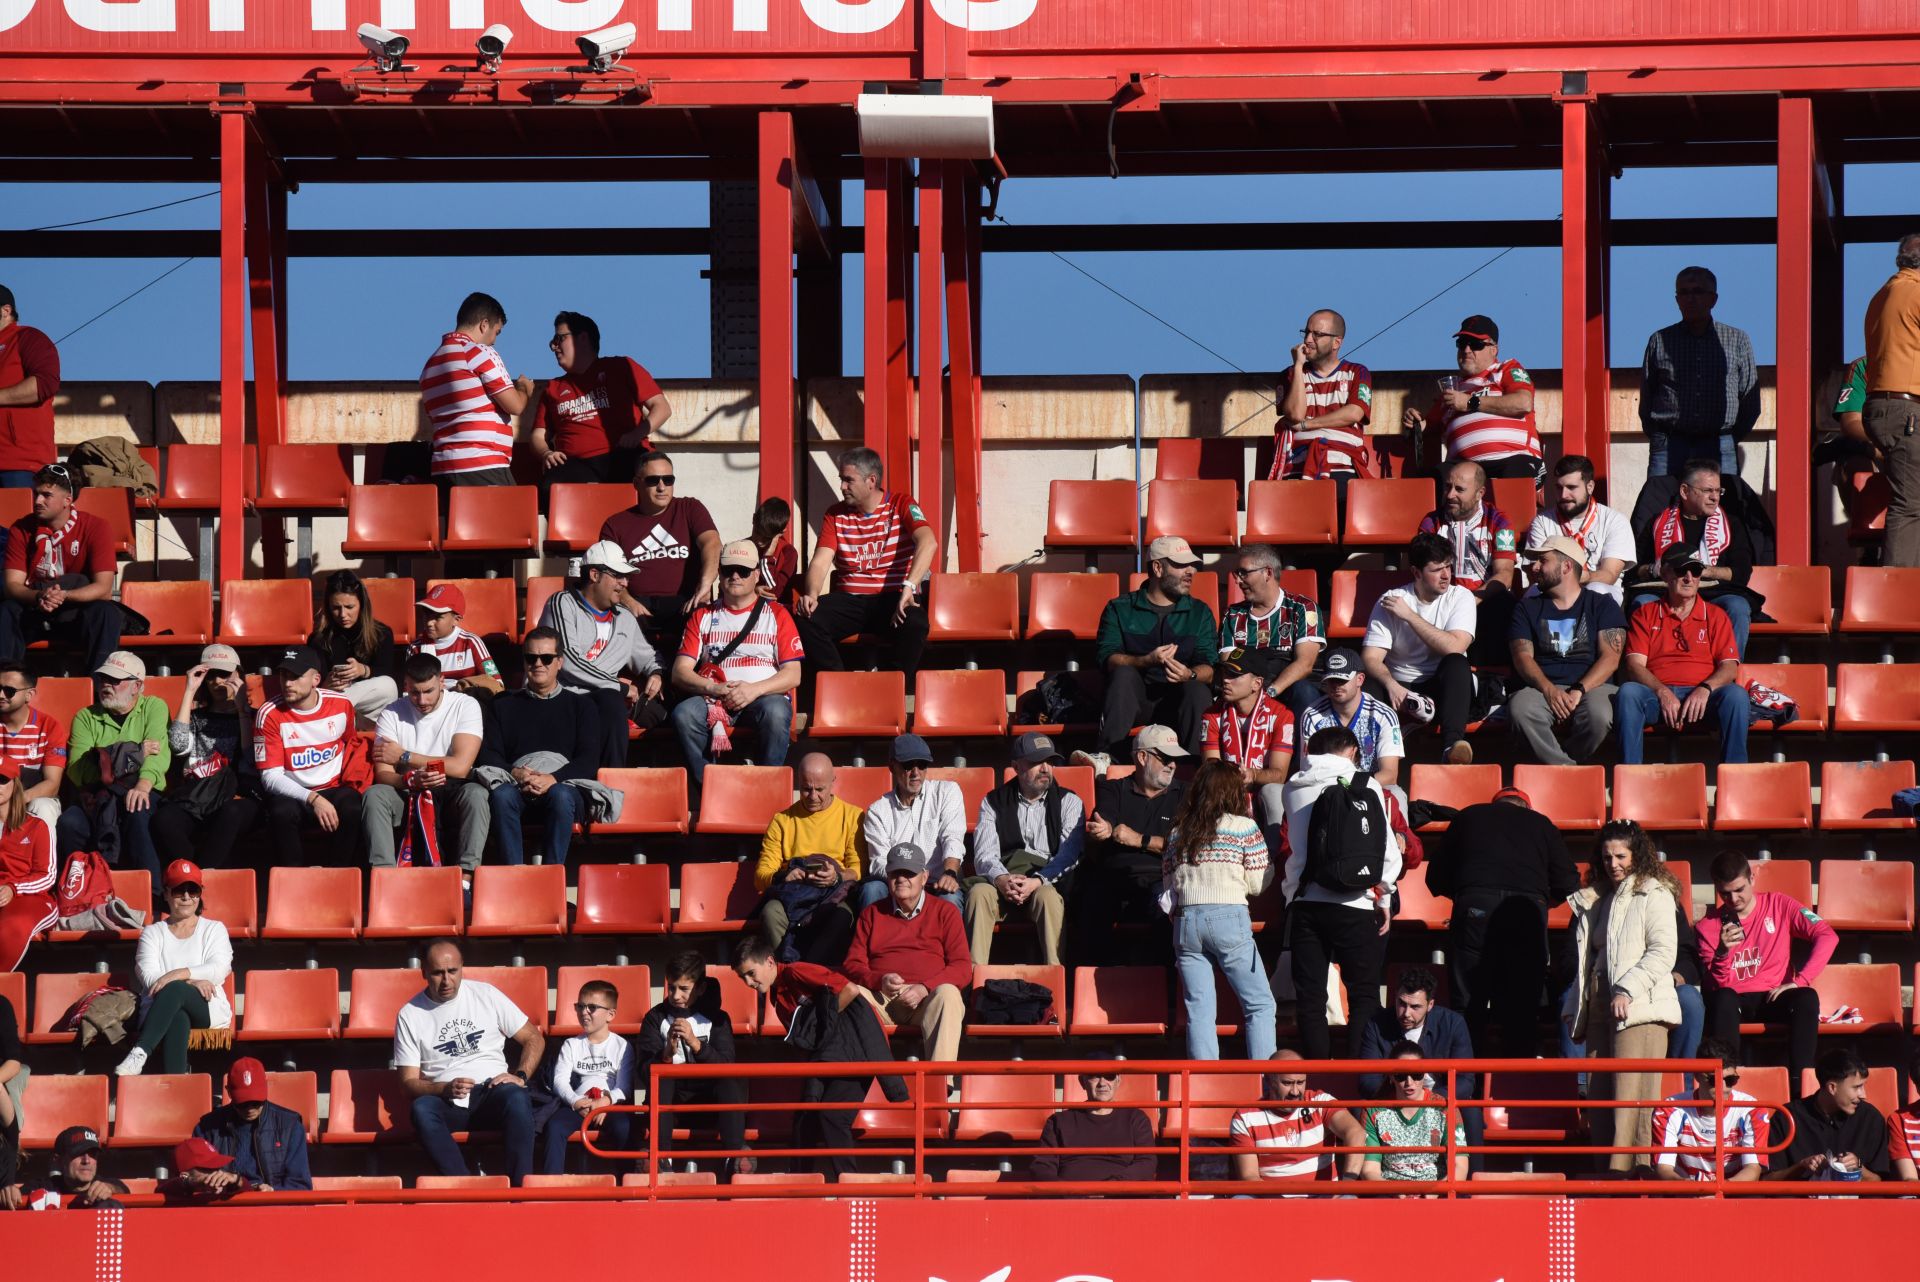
[{"x": 1746, "y": 949}]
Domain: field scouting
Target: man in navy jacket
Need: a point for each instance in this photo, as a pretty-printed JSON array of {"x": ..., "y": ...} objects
[
  {"x": 1441, "y": 1033},
  {"x": 268, "y": 1143}
]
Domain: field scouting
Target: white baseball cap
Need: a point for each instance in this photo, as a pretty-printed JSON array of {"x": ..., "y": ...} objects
[{"x": 608, "y": 555}]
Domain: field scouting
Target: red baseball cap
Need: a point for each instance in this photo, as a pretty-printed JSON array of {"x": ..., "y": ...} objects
[
  {"x": 197, "y": 1155},
  {"x": 444, "y": 598},
  {"x": 8, "y": 769},
  {"x": 1514, "y": 794},
  {"x": 247, "y": 1081},
  {"x": 184, "y": 872}
]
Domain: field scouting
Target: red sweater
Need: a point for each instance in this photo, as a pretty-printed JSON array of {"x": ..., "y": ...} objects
[
  {"x": 799, "y": 982},
  {"x": 929, "y": 949}
]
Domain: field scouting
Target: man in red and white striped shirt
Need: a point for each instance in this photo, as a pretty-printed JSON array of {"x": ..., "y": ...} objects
[
  {"x": 880, "y": 549},
  {"x": 735, "y": 682},
  {"x": 33, "y": 742},
  {"x": 1486, "y": 417},
  {"x": 301, "y": 743},
  {"x": 1325, "y": 405},
  {"x": 470, "y": 401},
  {"x": 1293, "y": 1118}
]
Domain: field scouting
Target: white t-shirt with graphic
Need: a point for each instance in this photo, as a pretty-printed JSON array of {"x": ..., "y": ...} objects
[{"x": 465, "y": 1036}]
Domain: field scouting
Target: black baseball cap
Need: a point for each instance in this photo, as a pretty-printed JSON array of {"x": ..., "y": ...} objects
[
  {"x": 1679, "y": 556},
  {"x": 1477, "y": 326},
  {"x": 74, "y": 1141},
  {"x": 1342, "y": 664},
  {"x": 6, "y": 298},
  {"x": 297, "y": 659}
]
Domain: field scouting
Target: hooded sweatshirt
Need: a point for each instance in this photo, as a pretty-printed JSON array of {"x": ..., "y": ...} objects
[
  {"x": 595, "y": 661},
  {"x": 1298, "y": 796}
]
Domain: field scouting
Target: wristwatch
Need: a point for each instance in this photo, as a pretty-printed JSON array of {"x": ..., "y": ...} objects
[
  {"x": 1473, "y": 403},
  {"x": 519, "y": 1073}
]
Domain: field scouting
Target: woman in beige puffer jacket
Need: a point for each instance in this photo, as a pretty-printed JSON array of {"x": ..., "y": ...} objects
[{"x": 1624, "y": 1003}]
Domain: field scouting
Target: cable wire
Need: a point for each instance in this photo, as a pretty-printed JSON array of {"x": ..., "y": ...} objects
[
  {"x": 107, "y": 218},
  {"x": 129, "y": 298}
]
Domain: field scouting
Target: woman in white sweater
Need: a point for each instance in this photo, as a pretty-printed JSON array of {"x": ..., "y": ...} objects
[
  {"x": 1215, "y": 861},
  {"x": 180, "y": 968}
]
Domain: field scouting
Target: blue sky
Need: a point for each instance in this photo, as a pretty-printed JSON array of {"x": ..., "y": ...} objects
[{"x": 378, "y": 319}]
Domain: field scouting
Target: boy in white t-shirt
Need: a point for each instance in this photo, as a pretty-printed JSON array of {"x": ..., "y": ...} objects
[
  {"x": 1416, "y": 645},
  {"x": 593, "y": 1069},
  {"x": 424, "y": 749}
]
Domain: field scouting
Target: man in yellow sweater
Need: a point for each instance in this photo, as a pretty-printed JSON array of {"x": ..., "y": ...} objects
[{"x": 817, "y": 824}]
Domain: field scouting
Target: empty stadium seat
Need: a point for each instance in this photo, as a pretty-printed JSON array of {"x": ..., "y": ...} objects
[
  {"x": 1862, "y": 894},
  {"x": 179, "y": 613},
  {"x": 1574, "y": 797},
  {"x": 1804, "y": 683},
  {"x": 1204, "y": 513},
  {"x": 1521, "y": 1123},
  {"x": 1202, "y": 1105},
  {"x": 53, "y": 1103},
  {"x": 304, "y": 478},
  {"x": 493, "y": 606},
  {"x": 655, "y": 799},
  {"x": 1881, "y": 598},
  {"x": 575, "y": 513},
  {"x": 414, "y": 902},
  {"x": 1120, "y": 1001},
  {"x": 1061, "y": 606},
  {"x": 861, "y": 785},
  {"x": 715, "y": 897},
  {"x": 1873, "y": 989},
  {"x": 1353, "y": 595},
  {"x": 964, "y": 703},
  {"x": 1212, "y": 457},
  {"x": 358, "y": 1183},
  {"x": 113, "y": 504},
  {"x": 524, "y": 986},
  {"x": 973, "y": 607},
  {"x": 635, "y": 985},
  {"x": 365, "y": 1105},
  {"x": 1052, "y": 978},
  {"x": 393, "y": 600},
  {"x": 265, "y": 612},
  {"x": 540, "y": 589},
  {"x": 1877, "y": 697},
  {"x": 1456, "y": 786},
  {"x": 61, "y": 697},
  {"x": 975, "y": 783},
  {"x": 1799, "y": 597},
  {"x": 154, "y": 1110},
  {"x": 623, "y": 899},
  {"x": 313, "y": 903},
  {"x": 492, "y": 518},
  {"x": 1858, "y": 795},
  {"x": 864, "y": 705},
  {"x": 1003, "y": 1107},
  {"x": 374, "y": 999},
  {"x": 1386, "y": 512},
  {"x": 1420, "y": 906},
  {"x": 530, "y": 899},
  {"x": 670, "y": 1179},
  {"x": 191, "y": 480},
  {"x": 393, "y": 520},
  {"x": 446, "y": 1183},
  {"x": 1662, "y": 798},
  {"x": 229, "y": 896},
  {"x": 291, "y": 1005},
  {"x": 1293, "y": 513},
  {"x": 1790, "y": 877},
  {"x": 1518, "y": 498},
  {"x": 882, "y": 1122},
  {"x": 576, "y": 1181},
  {"x": 1762, "y": 796},
  {"x": 1097, "y": 514},
  {"x": 743, "y": 799}
]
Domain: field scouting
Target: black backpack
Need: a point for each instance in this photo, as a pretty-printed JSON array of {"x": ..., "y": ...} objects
[{"x": 1344, "y": 831}]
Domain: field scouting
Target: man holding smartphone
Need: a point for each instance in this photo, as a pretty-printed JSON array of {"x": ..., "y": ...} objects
[{"x": 1746, "y": 948}]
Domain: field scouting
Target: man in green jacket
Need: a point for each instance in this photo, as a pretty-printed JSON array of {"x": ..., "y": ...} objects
[
  {"x": 117, "y": 758},
  {"x": 1157, "y": 645}
]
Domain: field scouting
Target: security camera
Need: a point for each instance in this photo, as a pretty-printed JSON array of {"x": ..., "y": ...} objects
[
  {"x": 386, "y": 47},
  {"x": 492, "y": 45},
  {"x": 602, "y": 49}
]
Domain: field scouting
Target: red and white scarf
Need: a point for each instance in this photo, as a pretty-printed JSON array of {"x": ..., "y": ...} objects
[
  {"x": 49, "y": 563},
  {"x": 1246, "y": 741},
  {"x": 1715, "y": 535},
  {"x": 420, "y": 814}
]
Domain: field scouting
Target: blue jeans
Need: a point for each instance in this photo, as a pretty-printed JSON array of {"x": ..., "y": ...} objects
[
  {"x": 1739, "y": 613},
  {"x": 1668, "y": 453},
  {"x": 1639, "y": 707},
  {"x": 874, "y": 891},
  {"x": 75, "y": 831},
  {"x": 563, "y": 804},
  {"x": 11, "y": 480},
  {"x": 505, "y": 1108},
  {"x": 769, "y": 719},
  {"x": 613, "y": 1133},
  {"x": 1684, "y": 1040},
  {"x": 1206, "y": 935}
]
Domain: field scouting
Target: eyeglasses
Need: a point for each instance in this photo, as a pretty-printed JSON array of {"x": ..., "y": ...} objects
[
  {"x": 737, "y": 571},
  {"x": 587, "y": 1008},
  {"x": 1471, "y": 344},
  {"x": 8, "y": 692},
  {"x": 666, "y": 480},
  {"x": 1315, "y": 333},
  {"x": 542, "y": 659},
  {"x": 559, "y": 341},
  {"x": 1101, "y": 1077},
  {"x": 1248, "y": 571}
]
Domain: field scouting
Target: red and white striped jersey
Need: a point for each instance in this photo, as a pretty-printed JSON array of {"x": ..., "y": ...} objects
[
  {"x": 1683, "y": 1134},
  {"x": 1903, "y": 1133},
  {"x": 872, "y": 551},
  {"x": 461, "y": 655},
  {"x": 458, "y": 385},
  {"x": 775, "y": 640},
  {"x": 1248, "y": 741},
  {"x": 1271, "y": 1131},
  {"x": 310, "y": 746},
  {"x": 1346, "y": 445},
  {"x": 40, "y": 745},
  {"x": 1489, "y": 436}
]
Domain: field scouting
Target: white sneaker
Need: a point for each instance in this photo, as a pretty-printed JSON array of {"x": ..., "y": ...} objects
[
  {"x": 1098, "y": 760},
  {"x": 1418, "y": 709},
  {"x": 133, "y": 1064}
]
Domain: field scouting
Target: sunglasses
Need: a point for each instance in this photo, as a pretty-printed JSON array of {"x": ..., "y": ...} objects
[
  {"x": 8, "y": 692},
  {"x": 542, "y": 659},
  {"x": 913, "y": 767},
  {"x": 1407, "y": 1077},
  {"x": 737, "y": 571},
  {"x": 1471, "y": 344},
  {"x": 587, "y": 1008},
  {"x": 666, "y": 480},
  {"x": 1101, "y": 1077}
]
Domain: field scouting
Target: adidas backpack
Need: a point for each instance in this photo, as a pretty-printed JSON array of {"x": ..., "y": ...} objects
[{"x": 1344, "y": 831}]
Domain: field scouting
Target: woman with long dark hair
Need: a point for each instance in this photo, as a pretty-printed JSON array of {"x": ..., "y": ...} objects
[
  {"x": 1215, "y": 861},
  {"x": 358, "y": 648}
]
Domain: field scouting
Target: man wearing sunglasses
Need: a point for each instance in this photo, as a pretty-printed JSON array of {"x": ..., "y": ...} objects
[
  {"x": 1118, "y": 881},
  {"x": 547, "y": 719},
  {"x": 1683, "y": 1126},
  {"x": 59, "y": 574},
  {"x": 1681, "y": 665},
  {"x": 33, "y": 741},
  {"x": 1486, "y": 417},
  {"x": 1100, "y": 1127},
  {"x": 674, "y": 548}
]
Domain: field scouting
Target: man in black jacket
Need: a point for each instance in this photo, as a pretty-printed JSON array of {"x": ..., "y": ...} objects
[
  {"x": 544, "y": 716},
  {"x": 1025, "y": 845},
  {"x": 683, "y": 1029},
  {"x": 75, "y": 1180},
  {"x": 1505, "y": 867},
  {"x": 267, "y": 1142},
  {"x": 1118, "y": 880}
]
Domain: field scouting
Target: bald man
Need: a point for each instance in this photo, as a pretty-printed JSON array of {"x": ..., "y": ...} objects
[
  {"x": 810, "y": 860},
  {"x": 1485, "y": 546}
]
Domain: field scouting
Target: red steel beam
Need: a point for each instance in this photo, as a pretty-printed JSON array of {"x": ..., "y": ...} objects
[
  {"x": 899, "y": 451},
  {"x": 931, "y": 420},
  {"x": 1584, "y": 179},
  {"x": 234, "y": 142},
  {"x": 263, "y": 310},
  {"x": 877, "y": 342},
  {"x": 777, "y": 182},
  {"x": 1807, "y": 248},
  {"x": 961, "y": 222}
]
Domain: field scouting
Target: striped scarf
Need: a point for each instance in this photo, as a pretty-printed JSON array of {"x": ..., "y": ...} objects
[
  {"x": 420, "y": 814},
  {"x": 1715, "y": 535}
]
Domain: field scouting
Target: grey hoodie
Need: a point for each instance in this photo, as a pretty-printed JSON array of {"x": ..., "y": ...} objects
[
  {"x": 626, "y": 651},
  {"x": 1302, "y": 790}
]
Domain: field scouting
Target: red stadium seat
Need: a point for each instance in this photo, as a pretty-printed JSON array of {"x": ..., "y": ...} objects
[
  {"x": 1804, "y": 683},
  {"x": 1763, "y": 795},
  {"x": 861, "y": 785},
  {"x": 670, "y": 1179},
  {"x": 313, "y": 903},
  {"x": 540, "y": 589},
  {"x": 1097, "y": 514},
  {"x": 393, "y": 600},
  {"x": 299, "y": 1092},
  {"x": 1858, "y": 795},
  {"x": 1683, "y": 873},
  {"x": 635, "y": 985},
  {"x": 524, "y": 986},
  {"x": 740, "y": 1002},
  {"x": 715, "y": 898},
  {"x": 859, "y": 705},
  {"x": 1867, "y": 495},
  {"x": 493, "y": 606},
  {"x": 1790, "y": 877},
  {"x": 445, "y": 1183},
  {"x": 135, "y": 885},
  {"x": 291, "y": 1006},
  {"x": 1204, "y": 513},
  {"x": 1799, "y": 597},
  {"x": 964, "y": 703},
  {"x": 1120, "y": 1001},
  {"x": 656, "y": 799},
  {"x": 623, "y": 899},
  {"x": 973, "y": 607},
  {"x": 575, "y": 514},
  {"x": 537, "y": 1181},
  {"x": 975, "y": 783},
  {"x": 1862, "y": 894},
  {"x": 192, "y": 480},
  {"x": 358, "y": 1183},
  {"x": 530, "y": 899},
  {"x": 1068, "y": 605},
  {"x": 1206, "y": 589},
  {"x": 1052, "y": 978},
  {"x": 1877, "y": 697},
  {"x": 493, "y": 518},
  {"x": 265, "y": 612},
  {"x": 1873, "y": 989},
  {"x": 1662, "y": 798},
  {"x": 1519, "y": 499},
  {"x": 393, "y": 520},
  {"x": 375, "y": 998},
  {"x": 411, "y": 903},
  {"x": 1354, "y": 593},
  {"x": 1456, "y": 786},
  {"x": 365, "y": 1105},
  {"x": 881, "y": 1122},
  {"x": 304, "y": 478},
  {"x": 1523, "y": 1123},
  {"x": 1003, "y": 1107},
  {"x": 743, "y": 799},
  {"x": 1881, "y": 598},
  {"x": 61, "y": 697},
  {"x": 13, "y": 991},
  {"x": 54, "y": 994},
  {"x": 1387, "y": 512},
  {"x": 114, "y": 505},
  {"x": 1293, "y": 513},
  {"x": 1135, "y": 1090},
  {"x": 181, "y": 613},
  {"x": 1574, "y": 797},
  {"x": 1192, "y": 458},
  {"x": 1205, "y": 1105},
  {"x": 1420, "y": 906},
  {"x": 229, "y": 896},
  {"x": 155, "y": 1110},
  {"x": 53, "y": 1103}
]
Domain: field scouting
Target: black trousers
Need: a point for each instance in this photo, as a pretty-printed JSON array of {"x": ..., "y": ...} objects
[
  {"x": 1497, "y": 946},
  {"x": 288, "y": 819},
  {"x": 613, "y": 468},
  {"x": 611, "y": 704},
  {"x": 1103, "y": 898},
  {"x": 1133, "y": 700},
  {"x": 829, "y": 1127},
  {"x": 1514, "y": 465},
  {"x": 842, "y": 614},
  {"x": 705, "y": 1090},
  {"x": 1797, "y": 1008},
  {"x": 1321, "y": 934},
  {"x": 1492, "y": 617},
  {"x": 178, "y": 833},
  {"x": 1451, "y": 689},
  {"x": 93, "y": 628}
]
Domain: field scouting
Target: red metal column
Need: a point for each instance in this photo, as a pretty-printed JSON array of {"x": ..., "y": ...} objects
[
  {"x": 931, "y": 487},
  {"x": 277, "y": 214},
  {"x": 899, "y": 449},
  {"x": 776, "y": 177},
  {"x": 260, "y": 298},
  {"x": 963, "y": 378},
  {"x": 1584, "y": 390},
  {"x": 233, "y": 341},
  {"x": 1809, "y": 255},
  {"x": 877, "y": 240}
]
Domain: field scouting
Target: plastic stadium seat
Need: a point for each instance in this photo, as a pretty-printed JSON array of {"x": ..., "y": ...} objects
[
  {"x": 540, "y": 589},
  {"x": 493, "y": 518},
  {"x": 1210, "y": 457},
  {"x": 1858, "y": 795},
  {"x": 54, "y": 995},
  {"x": 1386, "y": 512},
  {"x": 1518, "y": 498},
  {"x": 1804, "y": 683},
  {"x": 313, "y": 903},
  {"x": 1096, "y": 514},
  {"x": 743, "y": 799},
  {"x": 1353, "y": 594},
  {"x": 975, "y": 783},
  {"x": 291, "y": 1005},
  {"x": 1507, "y": 1180},
  {"x": 191, "y": 482},
  {"x": 881, "y": 1122},
  {"x": 493, "y": 606},
  {"x": 1052, "y": 978},
  {"x": 308, "y": 478},
  {"x": 1420, "y": 906},
  {"x": 1531, "y": 1123},
  {"x": 181, "y": 613},
  {"x": 461, "y": 1182},
  {"x": 524, "y": 986},
  {"x": 1028, "y": 710},
  {"x": 1204, "y": 513},
  {"x": 1293, "y": 513},
  {"x": 1790, "y": 877},
  {"x": 61, "y": 697},
  {"x": 670, "y": 1179},
  {"x": 1211, "y": 1099},
  {"x": 575, "y": 514},
  {"x": 357, "y": 1183},
  {"x": 1762, "y": 796},
  {"x": 1068, "y": 605},
  {"x": 1662, "y": 798},
  {"x": 656, "y": 799},
  {"x": 1574, "y": 797},
  {"x": 135, "y": 885},
  {"x": 964, "y": 703},
  {"x": 1003, "y": 1107},
  {"x": 265, "y": 612},
  {"x": 623, "y": 899},
  {"x": 741, "y": 1003},
  {"x": 1456, "y": 786},
  {"x": 1869, "y": 495},
  {"x": 13, "y": 991},
  {"x": 158, "y": 1109},
  {"x": 414, "y": 903},
  {"x": 973, "y": 607},
  {"x": 530, "y": 899},
  {"x": 53, "y": 1103},
  {"x": 1881, "y": 598},
  {"x": 861, "y": 785},
  {"x": 1206, "y": 589},
  {"x": 367, "y": 1104},
  {"x": 715, "y": 897},
  {"x": 114, "y": 505},
  {"x": 1874, "y": 989},
  {"x": 859, "y": 705},
  {"x": 229, "y": 896},
  {"x": 870, "y": 1177},
  {"x": 1120, "y": 1001},
  {"x": 1799, "y": 597},
  {"x": 392, "y": 520},
  {"x": 1878, "y": 697},
  {"x": 393, "y": 600},
  {"x": 1862, "y": 894},
  {"x": 1683, "y": 873},
  {"x": 375, "y": 999},
  {"x": 299, "y": 1092},
  {"x": 536, "y": 1181},
  {"x": 636, "y": 996}
]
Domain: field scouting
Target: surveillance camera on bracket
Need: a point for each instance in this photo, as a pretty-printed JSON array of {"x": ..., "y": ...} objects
[
  {"x": 492, "y": 45},
  {"x": 386, "y": 48},
  {"x": 602, "y": 49}
]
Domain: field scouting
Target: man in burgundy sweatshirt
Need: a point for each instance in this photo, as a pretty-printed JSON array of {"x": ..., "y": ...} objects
[
  {"x": 1746, "y": 949},
  {"x": 910, "y": 952}
]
